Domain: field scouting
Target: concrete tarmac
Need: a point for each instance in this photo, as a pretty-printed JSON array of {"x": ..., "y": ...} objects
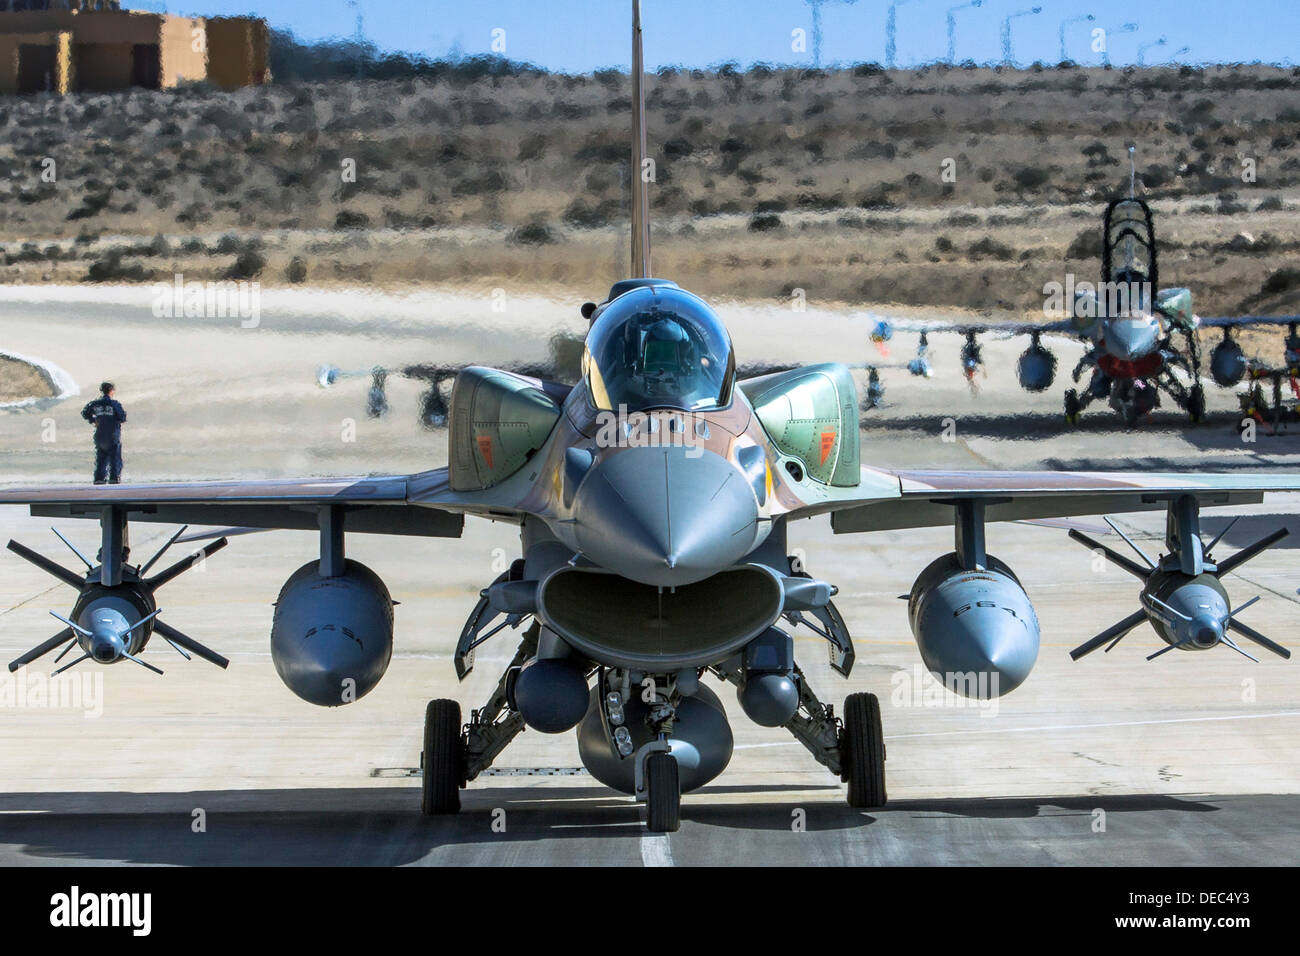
[{"x": 1192, "y": 758}]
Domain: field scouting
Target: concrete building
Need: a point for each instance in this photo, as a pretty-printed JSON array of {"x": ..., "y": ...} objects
[{"x": 64, "y": 46}]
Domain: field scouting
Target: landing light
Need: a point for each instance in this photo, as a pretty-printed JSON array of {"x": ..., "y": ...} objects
[
  {"x": 614, "y": 707},
  {"x": 623, "y": 740}
]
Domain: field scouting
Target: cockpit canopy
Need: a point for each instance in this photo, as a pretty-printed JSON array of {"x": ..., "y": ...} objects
[{"x": 658, "y": 347}]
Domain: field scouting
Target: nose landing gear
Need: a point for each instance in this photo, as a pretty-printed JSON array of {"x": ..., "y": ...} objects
[
  {"x": 657, "y": 780},
  {"x": 663, "y": 795}
]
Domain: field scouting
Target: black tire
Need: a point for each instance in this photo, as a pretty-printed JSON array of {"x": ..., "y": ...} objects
[
  {"x": 1072, "y": 408},
  {"x": 1196, "y": 404},
  {"x": 443, "y": 758},
  {"x": 862, "y": 751},
  {"x": 663, "y": 794}
]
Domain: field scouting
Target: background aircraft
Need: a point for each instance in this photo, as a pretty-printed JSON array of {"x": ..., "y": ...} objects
[
  {"x": 1142, "y": 340},
  {"x": 653, "y": 500},
  {"x": 562, "y": 366}
]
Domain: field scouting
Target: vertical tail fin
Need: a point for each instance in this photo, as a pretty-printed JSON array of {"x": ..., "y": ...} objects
[{"x": 640, "y": 192}]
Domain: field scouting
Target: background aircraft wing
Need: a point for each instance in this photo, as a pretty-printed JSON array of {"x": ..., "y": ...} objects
[
  {"x": 886, "y": 328},
  {"x": 892, "y": 500},
  {"x": 1239, "y": 320},
  {"x": 380, "y": 505},
  {"x": 1063, "y": 326}
]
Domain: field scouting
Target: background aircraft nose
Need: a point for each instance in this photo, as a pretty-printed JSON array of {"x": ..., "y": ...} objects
[
  {"x": 665, "y": 516},
  {"x": 1130, "y": 339}
]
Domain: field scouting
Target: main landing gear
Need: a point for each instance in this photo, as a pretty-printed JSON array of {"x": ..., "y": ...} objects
[
  {"x": 1072, "y": 407},
  {"x": 443, "y": 758},
  {"x": 853, "y": 748},
  {"x": 453, "y": 755},
  {"x": 862, "y": 751}
]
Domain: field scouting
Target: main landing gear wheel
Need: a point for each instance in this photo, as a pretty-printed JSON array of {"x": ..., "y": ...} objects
[
  {"x": 1072, "y": 407},
  {"x": 663, "y": 794},
  {"x": 1196, "y": 404},
  {"x": 443, "y": 760},
  {"x": 862, "y": 751}
]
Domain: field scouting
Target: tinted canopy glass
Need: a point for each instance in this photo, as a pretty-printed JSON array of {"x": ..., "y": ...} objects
[{"x": 658, "y": 348}]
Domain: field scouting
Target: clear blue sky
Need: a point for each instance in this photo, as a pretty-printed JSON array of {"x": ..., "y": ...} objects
[{"x": 581, "y": 35}]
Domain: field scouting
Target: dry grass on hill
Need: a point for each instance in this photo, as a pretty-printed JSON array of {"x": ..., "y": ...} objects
[{"x": 766, "y": 181}]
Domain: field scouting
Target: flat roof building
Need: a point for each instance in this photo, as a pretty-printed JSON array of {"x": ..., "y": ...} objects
[{"x": 64, "y": 46}]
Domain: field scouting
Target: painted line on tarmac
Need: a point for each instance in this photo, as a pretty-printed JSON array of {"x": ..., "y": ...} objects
[
  {"x": 1026, "y": 730},
  {"x": 1118, "y": 723},
  {"x": 655, "y": 850}
]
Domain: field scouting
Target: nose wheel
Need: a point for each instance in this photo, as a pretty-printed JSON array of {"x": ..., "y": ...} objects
[
  {"x": 663, "y": 793},
  {"x": 443, "y": 758},
  {"x": 862, "y": 751}
]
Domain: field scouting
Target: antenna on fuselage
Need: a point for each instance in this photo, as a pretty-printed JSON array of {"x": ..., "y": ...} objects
[
  {"x": 640, "y": 171},
  {"x": 1132, "y": 172}
]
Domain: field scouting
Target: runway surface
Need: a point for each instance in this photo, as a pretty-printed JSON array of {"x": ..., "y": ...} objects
[
  {"x": 1194, "y": 758},
  {"x": 582, "y": 826}
]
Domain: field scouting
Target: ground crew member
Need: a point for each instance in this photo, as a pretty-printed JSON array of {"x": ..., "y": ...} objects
[{"x": 107, "y": 415}]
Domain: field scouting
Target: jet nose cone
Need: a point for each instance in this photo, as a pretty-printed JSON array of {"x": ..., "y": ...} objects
[
  {"x": 1130, "y": 339},
  {"x": 665, "y": 516}
]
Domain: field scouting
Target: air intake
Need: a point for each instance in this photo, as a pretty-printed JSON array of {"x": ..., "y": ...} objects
[{"x": 623, "y": 623}]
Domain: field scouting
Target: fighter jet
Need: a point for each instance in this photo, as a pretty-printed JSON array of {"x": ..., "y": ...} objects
[
  {"x": 653, "y": 499},
  {"x": 562, "y": 366},
  {"x": 1138, "y": 336}
]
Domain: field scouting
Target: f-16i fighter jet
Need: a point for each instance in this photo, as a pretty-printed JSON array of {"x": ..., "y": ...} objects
[
  {"x": 653, "y": 500},
  {"x": 1137, "y": 334}
]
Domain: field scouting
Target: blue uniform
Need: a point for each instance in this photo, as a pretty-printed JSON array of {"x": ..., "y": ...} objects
[{"x": 107, "y": 415}]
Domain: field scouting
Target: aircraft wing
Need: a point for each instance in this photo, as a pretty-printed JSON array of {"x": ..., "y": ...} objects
[
  {"x": 379, "y": 505},
  {"x": 893, "y": 500},
  {"x": 1240, "y": 320}
]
